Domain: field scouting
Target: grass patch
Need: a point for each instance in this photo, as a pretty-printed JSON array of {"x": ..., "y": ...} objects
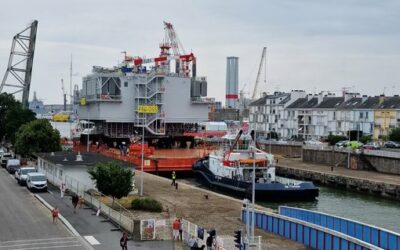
[{"x": 147, "y": 204}]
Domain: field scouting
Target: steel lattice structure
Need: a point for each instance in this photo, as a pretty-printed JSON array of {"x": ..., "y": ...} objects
[{"x": 20, "y": 63}]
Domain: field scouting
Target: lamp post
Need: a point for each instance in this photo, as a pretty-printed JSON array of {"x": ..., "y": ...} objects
[
  {"x": 253, "y": 188},
  {"x": 141, "y": 174}
]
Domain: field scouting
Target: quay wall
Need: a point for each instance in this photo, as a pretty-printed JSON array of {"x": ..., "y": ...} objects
[
  {"x": 358, "y": 160},
  {"x": 374, "y": 235},
  {"x": 309, "y": 234},
  {"x": 332, "y": 179},
  {"x": 292, "y": 151}
]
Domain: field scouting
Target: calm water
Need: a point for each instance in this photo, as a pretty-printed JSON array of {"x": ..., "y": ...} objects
[{"x": 361, "y": 207}]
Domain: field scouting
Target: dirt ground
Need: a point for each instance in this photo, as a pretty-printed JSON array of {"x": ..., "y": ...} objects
[{"x": 218, "y": 211}]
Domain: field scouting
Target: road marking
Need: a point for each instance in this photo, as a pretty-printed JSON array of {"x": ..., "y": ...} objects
[
  {"x": 49, "y": 247},
  {"x": 92, "y": 240}
]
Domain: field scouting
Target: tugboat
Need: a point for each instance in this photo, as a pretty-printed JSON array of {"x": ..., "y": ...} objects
[{"x": 232, "y": 170}]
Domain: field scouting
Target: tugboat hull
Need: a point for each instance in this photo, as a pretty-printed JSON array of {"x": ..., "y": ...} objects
[{"x": 274, "y": 191}]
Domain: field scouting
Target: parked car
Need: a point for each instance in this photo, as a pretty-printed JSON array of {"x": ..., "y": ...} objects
[
  {"x": 21, "y": 174},
  {"x": 4, "y": 158},
  {"x": 371, "y": 146},
  {"x": 392, "y": 144},
  {"x": 36, "y": 181},
  {"x": 13, "y": 165},
  {"x": 1, "y": 152},
  {"x": 342, "y": 144}
]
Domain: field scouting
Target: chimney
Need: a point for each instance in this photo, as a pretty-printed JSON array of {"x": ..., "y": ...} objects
[
  {"x": 364, "y": 98},
  {"x": 309, "y": 97},
  {"x": 79, "y": 157},
  {"x": 381, "y": 99},
  {"x": 320, "y": 98}
]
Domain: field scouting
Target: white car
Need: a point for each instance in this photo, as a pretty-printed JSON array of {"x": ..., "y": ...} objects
[
  {"x": 4, "y": 158},
  {"x": 21, "y": 174},
  {"x": 36, "y": 181}
]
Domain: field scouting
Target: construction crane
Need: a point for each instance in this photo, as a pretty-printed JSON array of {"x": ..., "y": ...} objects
[
  {"x": 263, "y": 64},
  {"x": 20, "y": 63},
  {"x": 173, "y": 39},
  {"x": 64, "y": 94}
]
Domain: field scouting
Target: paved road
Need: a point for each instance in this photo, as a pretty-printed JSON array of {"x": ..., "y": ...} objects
[
  {"x": 26, "y": 224},
  {"x": 94, "y": 229}
]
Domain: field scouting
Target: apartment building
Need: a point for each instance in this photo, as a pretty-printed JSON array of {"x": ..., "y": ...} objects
[{"x": 386, "y": 116}]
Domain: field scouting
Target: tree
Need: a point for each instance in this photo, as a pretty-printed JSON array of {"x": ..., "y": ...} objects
[
  {"x": 37, "y": 136},
  {"x": 7, "y": 101},
  {"x": 112, "y": 179},
  {"x": 333, "y": 139},
  {"x": 15, "y": 117},
  {"x": 394, "y": 134}
]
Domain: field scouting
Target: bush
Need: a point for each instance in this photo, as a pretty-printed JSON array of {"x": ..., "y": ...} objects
[
  {"x": 333, "y": 139},
  {"x": 147, "y": 204},
  {"x": 365, "y": 139},
  {"x": 394, "y": 134}
]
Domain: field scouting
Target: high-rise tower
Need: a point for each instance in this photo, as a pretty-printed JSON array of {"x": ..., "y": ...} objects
[{"x": 232, "y": 82}]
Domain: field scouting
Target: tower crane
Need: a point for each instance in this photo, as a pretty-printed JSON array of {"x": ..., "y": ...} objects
[{"x": 263, "y": 64}]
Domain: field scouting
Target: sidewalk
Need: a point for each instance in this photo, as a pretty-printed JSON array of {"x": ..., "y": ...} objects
[{"x": 91, "y": 227}]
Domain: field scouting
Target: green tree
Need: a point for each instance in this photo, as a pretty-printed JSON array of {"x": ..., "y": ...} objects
[
  {"x": 394, "y": 134},
  {"x": 366, "y": 138},
  {"x": 7, "y": 102},
  {"x": 15, "y": 117},
  {"x": 333, "y": 139},
  {"x": 112, "y": 179},
  {"x": 37, "y": 136}
]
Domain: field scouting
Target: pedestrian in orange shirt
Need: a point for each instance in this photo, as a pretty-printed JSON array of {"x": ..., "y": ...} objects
[
  {"x": 175, "y": 229},
  {"x": 54, "y": 213}
]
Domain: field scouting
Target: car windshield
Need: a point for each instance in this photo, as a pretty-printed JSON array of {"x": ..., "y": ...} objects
[
  {"x": 26, "y": 171},
  {"x": 38, "y": 178}
]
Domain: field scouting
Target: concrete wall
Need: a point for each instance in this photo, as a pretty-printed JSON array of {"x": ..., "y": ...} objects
[
  {"x": 331, "y": 179},
  {"x": 285, "y": 150},
  {"x": 361, "y": 162}
]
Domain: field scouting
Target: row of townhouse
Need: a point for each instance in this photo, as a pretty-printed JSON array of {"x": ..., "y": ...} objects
[{"x": 306, "y": 116}]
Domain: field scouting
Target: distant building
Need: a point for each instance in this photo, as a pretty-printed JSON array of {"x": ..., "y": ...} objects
[
  {"x": 386, "y": 116},
  {"x": 224, "y": 114}
]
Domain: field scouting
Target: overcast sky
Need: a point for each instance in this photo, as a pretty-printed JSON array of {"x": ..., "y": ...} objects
[{"x": 312, "y": 44}]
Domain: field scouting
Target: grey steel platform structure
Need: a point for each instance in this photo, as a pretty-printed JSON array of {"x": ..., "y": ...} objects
[{"x": 110, "y": 97}]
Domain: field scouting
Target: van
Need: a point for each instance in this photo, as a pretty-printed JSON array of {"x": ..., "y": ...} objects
[
  {"x": 21, "y": 174},
  {"x": 13, "y": 165},
  {"x": 36, "y": 181},
  {"x": 4, "y": 158}
]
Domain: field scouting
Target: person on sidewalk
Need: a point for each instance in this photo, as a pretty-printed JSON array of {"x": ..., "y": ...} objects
[
  {"x": 81, "y": 201},
  {"x": 75, "y": 200},
  {"x": 54, "y": 214},
  {"x": 175, "y": 229},
  {"x": 62, "y": 189},
  {"x": 123, "y": 242},
  {"x": 180, "y": 227},
  {"x": 173, "y": 178}
]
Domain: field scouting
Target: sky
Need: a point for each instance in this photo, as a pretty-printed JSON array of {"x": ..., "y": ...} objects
[{"x": 312, "y": 45}]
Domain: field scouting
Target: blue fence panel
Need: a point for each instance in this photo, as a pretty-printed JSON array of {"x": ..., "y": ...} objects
[
  {"x": 311, "y": 235},
  {"x": 376, "y": 236}
]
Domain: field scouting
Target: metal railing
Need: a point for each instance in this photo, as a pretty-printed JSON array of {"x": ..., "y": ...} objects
[{"x": 99, "y": 202}]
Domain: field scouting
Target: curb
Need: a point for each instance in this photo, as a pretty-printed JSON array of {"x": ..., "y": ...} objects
[{"x": 65, "y": 222}]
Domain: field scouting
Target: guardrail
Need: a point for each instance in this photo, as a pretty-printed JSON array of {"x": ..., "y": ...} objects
[
  {"x": 117, "y": 214},
  {"x": 309, "y": 234},
  {"x": 376, "y": 236},
  {"x": 122, "y": 217}
]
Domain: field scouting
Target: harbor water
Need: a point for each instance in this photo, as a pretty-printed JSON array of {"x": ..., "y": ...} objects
[{"x": 369, "y": 209}]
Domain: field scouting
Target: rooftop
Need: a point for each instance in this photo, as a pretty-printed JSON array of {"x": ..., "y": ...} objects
[
  {"x": 390, "y": 103},
  {"x": 88, "y": 159}
]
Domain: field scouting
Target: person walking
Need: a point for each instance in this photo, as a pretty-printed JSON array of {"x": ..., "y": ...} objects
[
  {"x": 175, "y": 229},
  {"x": 54, "y": 214},
  {"x": 180, "y": 226},
  {"x": 123, "y": 242},
  {"x": 81, "y": 201},
  {"x": 75, "y": 200},
  {"x": 173, "y": 179},
  {"x": 209, "y": 242}
]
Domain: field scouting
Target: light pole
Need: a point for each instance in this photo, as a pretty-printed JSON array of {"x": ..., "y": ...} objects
[
  {"x": 253, "y": 191},
  {"x": 87, "y": 129},
  {"x": 141, "y": 174}
]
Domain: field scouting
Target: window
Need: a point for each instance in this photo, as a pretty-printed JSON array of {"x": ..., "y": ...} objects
[
  {"x": 361, "y": 115},
  {"x": 366, "y": 115},
  {"x": 334, "y": 115}
]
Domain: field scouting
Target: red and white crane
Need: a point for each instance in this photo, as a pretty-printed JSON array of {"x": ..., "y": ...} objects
[{"x": 185, "y": 63}]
